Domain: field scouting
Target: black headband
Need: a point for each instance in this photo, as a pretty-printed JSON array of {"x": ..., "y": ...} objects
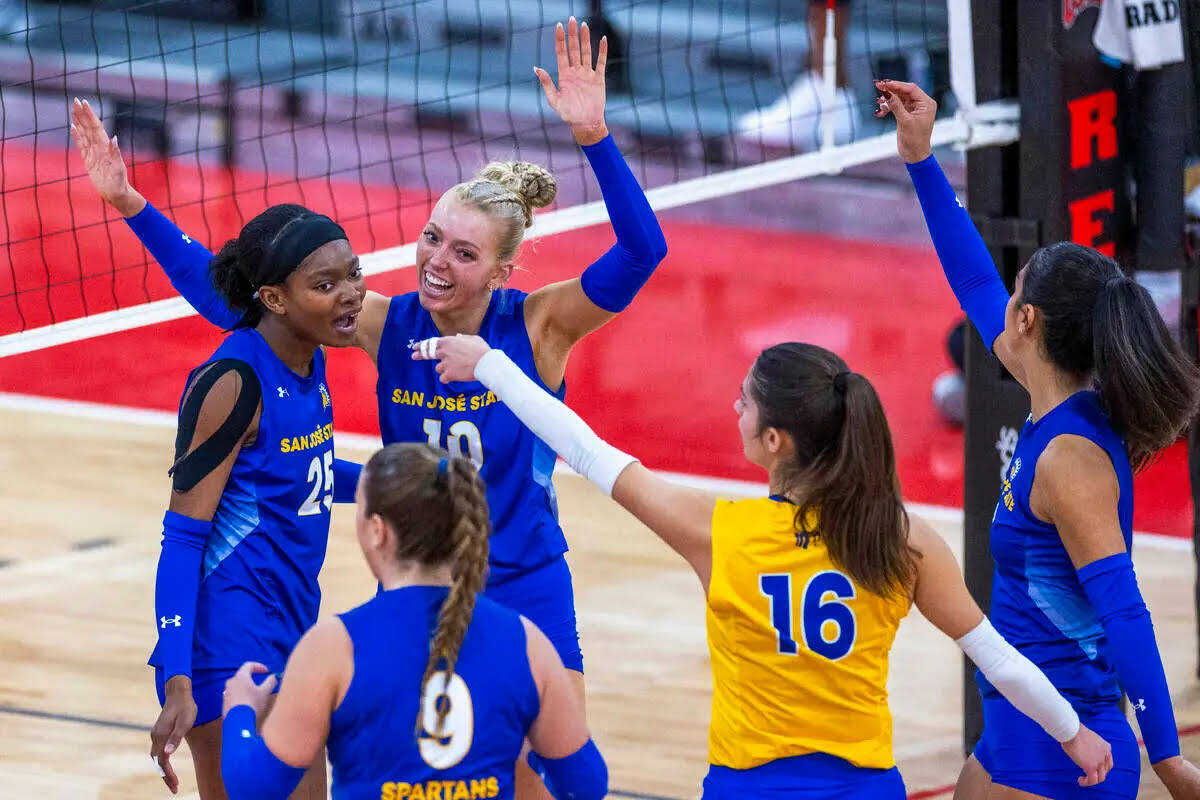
[{"x": 295, "y": 242}]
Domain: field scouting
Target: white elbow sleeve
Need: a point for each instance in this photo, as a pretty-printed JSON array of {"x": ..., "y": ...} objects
[
  {"x": 552, "y": 422},
  {"x": 1020, "y": 681}
]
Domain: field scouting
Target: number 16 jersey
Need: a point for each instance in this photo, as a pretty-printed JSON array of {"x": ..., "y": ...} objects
[{"x": 799, "y": 652}]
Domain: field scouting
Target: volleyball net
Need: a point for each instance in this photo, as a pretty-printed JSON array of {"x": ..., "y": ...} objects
[{"x": 368, "y": 109}]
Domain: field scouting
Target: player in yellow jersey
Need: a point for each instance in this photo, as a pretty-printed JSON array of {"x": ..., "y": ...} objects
[{"x": 806, "y": 587}]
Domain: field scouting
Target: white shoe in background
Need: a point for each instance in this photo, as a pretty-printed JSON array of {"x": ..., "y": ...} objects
[
  {"x": 1191, "y": 203},
  {"x": 794, "y": 119}
]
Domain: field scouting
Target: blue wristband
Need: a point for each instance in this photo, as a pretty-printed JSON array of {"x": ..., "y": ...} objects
[
  {"x": 176, "y": 585},
  {"x": 249, "y": 769},
  {"x": 185, "y": 261},
  {"x": 613, "y": 280},
  {"x": 1111, "y": 586},
  {"x": 345, "y": 480},
  {"x": 583, "y": 775},
  {"x": 965, "y": 258}
]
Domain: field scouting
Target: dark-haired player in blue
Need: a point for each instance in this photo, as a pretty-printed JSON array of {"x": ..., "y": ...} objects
[
  {"x": 464, "y": 257},
  {"x": 1109, "y": 388},
  {"x": 254, "y": 474},
  {"x": 427, "y": 691}
]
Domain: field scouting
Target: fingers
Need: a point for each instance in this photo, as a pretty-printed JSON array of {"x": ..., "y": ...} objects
[
  {"x": 269, "y": 684},
  {"x": 585, "y": 46},
  {"x": 574, "y": 56},
  {"x": 250, "y": 668},
  {"x": 560, "y": 48},
  {"x": 547, "y": 85},
  {"x": 602, "y": 56},
  {"x": 168, "y": 774},
  {"x": 426, "y": 349}
]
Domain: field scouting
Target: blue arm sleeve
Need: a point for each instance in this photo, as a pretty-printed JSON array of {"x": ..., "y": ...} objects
[
  {"x": 249, "y": 769},
  {"x": 965, "y": 258},
  {"x": 615, "y": 278},
  {"x": 345, "y": 480},
  {"x": 175, "y": 587},
  {"x": 1111, "y": 586},
  {"x": 583, "y": 775},
  {"x": 186, "y": 263}
]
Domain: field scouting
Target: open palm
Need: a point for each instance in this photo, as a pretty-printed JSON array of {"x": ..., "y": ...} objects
[
  {"x": 579, "y": 97},
  {"x": 100, "y": 153}
]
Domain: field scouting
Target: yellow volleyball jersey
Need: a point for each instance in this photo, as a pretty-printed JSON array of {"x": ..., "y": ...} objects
[{"x": 799, "y": 652}]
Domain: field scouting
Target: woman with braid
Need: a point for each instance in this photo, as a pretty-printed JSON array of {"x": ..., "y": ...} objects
[
  {"x": 427, "y": 691},
  {"x": 464, "y": 257}
]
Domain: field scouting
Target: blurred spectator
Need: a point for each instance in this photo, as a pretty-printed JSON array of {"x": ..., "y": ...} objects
[{"x": 794, "y": 119}]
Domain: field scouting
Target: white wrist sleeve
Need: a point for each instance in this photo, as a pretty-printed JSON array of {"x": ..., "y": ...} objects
[
  {"x": 552, "y": 422},
  {"x": 1020, "y": 681}
]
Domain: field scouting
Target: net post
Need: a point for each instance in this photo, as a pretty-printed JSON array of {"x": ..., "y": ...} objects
[{"x": 1062, "y": 181}]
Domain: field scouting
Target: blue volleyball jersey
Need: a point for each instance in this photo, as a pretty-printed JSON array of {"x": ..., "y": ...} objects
[
  {"x": 258, "y": 588},
  {"x": 373, "y": 744},
  {"x": 468, "y": 420},
  {"x": 1038, "y": 603}
]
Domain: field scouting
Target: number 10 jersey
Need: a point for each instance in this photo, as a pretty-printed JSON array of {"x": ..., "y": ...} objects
[{"x": 468, "y": 420}]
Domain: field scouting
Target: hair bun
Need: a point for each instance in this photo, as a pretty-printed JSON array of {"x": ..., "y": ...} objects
[{"x": 531, "y": 182}]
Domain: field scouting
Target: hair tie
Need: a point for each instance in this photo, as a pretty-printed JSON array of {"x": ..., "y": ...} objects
[
  {"x": 442, "y": 466},
  {"x": 839, "y": 382},
  {"x": 293, "y": 243}
]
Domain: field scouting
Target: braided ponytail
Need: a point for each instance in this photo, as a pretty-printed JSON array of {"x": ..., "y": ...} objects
[
  {"x": 469, "y": 528},
  {"x": 437, "y": 505}
]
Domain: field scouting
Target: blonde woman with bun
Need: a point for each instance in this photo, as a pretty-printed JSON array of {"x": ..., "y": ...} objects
[{"x": 465, "y": 257}]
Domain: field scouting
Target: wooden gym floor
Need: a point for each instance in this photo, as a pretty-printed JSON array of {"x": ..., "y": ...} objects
[{"x": 84, "y": 493}]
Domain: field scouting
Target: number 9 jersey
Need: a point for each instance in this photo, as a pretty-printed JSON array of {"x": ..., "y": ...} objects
[{"x": 799, "y": 652}]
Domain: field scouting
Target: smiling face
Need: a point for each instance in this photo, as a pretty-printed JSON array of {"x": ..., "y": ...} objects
[
  {"x": 322, "y": 297},
  {"x": 457, "y": 263}
]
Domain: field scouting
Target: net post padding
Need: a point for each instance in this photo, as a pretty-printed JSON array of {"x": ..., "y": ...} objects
[{"x": 1064, "y": 180}]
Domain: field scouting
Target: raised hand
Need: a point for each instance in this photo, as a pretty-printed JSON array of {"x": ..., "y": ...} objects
[
  {"x": 456, "y": 355},
  {"x": 102, "y": 159},
  {"x": 914, "y": 112},
  {"x": 579, "y": 97}
]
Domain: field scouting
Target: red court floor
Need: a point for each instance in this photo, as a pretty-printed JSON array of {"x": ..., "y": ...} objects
[{"x": 659, "y": 381}]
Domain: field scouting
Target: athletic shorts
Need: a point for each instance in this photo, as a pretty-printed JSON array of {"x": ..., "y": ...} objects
[
  {"x": 544, "y": 596},
  {"x": 208, "y": 687},
  {"x": 1017, "y": 753},
  {"x": 808, "y": 777}
]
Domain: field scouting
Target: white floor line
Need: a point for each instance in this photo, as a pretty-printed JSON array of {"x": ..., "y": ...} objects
[{"x": 358, "y": 441}]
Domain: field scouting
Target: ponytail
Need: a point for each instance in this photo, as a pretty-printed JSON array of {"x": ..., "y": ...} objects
[
  {"x": 1097, "y": 322},
  {"x": 437, "y": 506},
  {"x": 469, "y": 527},
  {"x": 844, "y": 469},
  {"x": 852, "y": 496},
  {"x": 1148, "y": 386}
]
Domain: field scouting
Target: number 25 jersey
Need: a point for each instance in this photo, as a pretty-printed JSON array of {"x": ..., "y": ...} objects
[
  {"x": 799, "y": 652},
  {"x": 258, "y": 589}
]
